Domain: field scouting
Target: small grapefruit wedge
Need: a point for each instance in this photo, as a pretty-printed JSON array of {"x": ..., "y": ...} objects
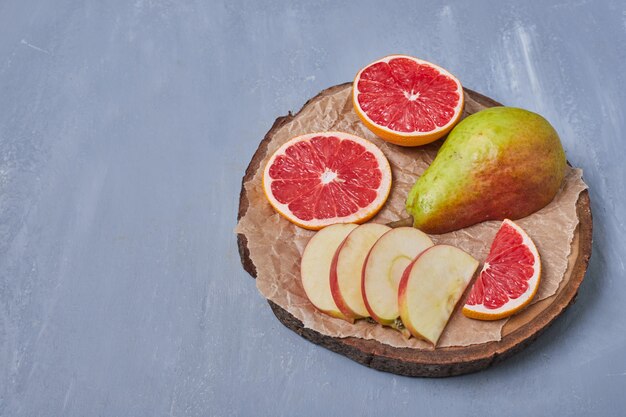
[
  {"x": 510, "y": 276},
  {"x": 407, "y": 101},
  {"x": 320, "y": 179}
]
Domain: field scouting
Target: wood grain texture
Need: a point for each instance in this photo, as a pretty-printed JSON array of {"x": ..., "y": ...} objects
[{"x": 520, "y": 332}]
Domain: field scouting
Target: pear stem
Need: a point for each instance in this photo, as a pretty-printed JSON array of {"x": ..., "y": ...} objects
[{"x": 406, "y": 222}]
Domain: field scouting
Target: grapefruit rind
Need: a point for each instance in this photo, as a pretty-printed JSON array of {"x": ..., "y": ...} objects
[
  {"x": 408, "y": 138},
  {"x": 362, "y": 215},
  {"x": 513, "y": 306}
]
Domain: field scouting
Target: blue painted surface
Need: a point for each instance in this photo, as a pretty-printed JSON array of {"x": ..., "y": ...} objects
[{"x": 125, "y": 128}]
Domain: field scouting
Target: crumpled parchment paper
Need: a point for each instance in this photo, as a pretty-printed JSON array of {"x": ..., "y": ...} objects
[{"x": 276, "y": 245}]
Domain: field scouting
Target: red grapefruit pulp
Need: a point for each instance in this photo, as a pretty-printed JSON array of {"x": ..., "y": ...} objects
[
  {"x": 407, "y": 101},
  {"x": 509, "y": 278},
  {"x": 320, "y": 179}
]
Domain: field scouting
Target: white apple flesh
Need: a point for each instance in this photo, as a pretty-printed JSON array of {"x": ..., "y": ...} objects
[
  {"x": 383, "y": 269},
  {"x": 315, "y": 266},
  {"x": 430, "y": 288},
  {"x": 346, "y": 267}
]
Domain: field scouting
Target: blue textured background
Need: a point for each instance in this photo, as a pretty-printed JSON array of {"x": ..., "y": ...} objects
[{"x": 125, "y": 128}]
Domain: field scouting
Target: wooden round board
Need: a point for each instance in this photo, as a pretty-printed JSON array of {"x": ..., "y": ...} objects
[{"x": 518, "y": 332}]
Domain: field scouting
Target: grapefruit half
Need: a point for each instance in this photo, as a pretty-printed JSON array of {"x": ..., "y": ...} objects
[
  {"x": 510, "y": 276},
  {"x": 320, "y": 179},
  {"x": 407, "y": 101}
]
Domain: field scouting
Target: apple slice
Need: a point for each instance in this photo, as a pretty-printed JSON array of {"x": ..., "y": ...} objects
[
  {"x": 315, "y": 266},
  {"x": 430, "y": 288},
  {"x": 383, "y": 269},
  {"x": 346, "y": 267}
]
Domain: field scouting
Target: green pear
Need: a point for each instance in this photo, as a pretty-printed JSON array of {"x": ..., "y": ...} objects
[{"x": 499, "y": 163}]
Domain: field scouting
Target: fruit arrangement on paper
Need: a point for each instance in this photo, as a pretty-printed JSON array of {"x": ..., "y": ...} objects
[{"x": 498, "y": 164}]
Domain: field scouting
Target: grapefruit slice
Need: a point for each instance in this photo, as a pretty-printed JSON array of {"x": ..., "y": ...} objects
[
  {"x": 407, "y": 101},
  {"x": 510, "y": 277},
  {"x": 320, "y": 179}
]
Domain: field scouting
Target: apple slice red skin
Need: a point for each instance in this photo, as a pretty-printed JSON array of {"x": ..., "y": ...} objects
[
  {"x": 403, "y": 288},
  {"x": 348, "y": 314},
  {"x": 333, "y": 313}
]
